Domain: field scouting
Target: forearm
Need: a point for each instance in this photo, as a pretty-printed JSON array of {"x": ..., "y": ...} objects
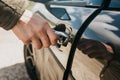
[{"x": 10, "y": 12}]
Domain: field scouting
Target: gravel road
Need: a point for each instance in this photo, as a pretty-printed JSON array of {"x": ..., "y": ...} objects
[{"x": 14, "y": 72}]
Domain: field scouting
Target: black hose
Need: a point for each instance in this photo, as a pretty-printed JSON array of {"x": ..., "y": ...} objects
[{"x": 104, "y": 5}]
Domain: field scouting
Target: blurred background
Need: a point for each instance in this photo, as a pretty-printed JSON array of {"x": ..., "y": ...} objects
[
  {"x": 12, "y": 65},
  {"x": 11, "y": 49}
]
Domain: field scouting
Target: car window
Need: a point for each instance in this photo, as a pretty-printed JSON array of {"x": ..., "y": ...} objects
[
  {"x": 88, "y": 2},
  {"x": 95, "y": 2},
  {"x": 115, "y": 4}
]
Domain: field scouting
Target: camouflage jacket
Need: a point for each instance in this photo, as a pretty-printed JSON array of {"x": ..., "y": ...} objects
[{"x": 10, "y": 12}]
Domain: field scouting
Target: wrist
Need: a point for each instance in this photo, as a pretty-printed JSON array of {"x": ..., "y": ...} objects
[{"x": 26, "y": 17}]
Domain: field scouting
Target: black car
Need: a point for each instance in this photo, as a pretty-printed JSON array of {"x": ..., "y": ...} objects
[{"x": 72, "y": 20}]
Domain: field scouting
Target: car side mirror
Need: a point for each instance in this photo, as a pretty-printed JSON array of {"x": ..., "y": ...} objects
[{"x": 59, "y": 13}]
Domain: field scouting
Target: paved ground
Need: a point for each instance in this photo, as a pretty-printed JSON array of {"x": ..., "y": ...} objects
[{"x": 11, "y": 57}]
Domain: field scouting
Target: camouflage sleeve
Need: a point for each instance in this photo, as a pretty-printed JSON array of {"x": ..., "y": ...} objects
[{"x": 10, "y": 12}]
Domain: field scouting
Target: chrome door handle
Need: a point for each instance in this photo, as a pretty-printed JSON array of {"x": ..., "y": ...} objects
[{"x": 63, "y": 34}]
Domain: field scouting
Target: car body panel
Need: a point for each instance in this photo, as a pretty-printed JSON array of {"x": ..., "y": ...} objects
[
  {"x": 63, "y": 56},
  {"x": 108, "y": 20},
  {"x": 52, "y": 62}
]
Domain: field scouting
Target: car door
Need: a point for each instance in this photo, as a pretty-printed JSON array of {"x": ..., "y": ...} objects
[{"x": 50, "y": 63}]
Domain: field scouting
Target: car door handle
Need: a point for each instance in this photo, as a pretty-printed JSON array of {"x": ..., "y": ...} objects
[{"x": 63, "y": 34}]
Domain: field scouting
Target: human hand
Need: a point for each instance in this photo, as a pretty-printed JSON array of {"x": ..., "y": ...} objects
[
  {"x": 34, "y": 29},
  {"x": 95, "y": 49}
]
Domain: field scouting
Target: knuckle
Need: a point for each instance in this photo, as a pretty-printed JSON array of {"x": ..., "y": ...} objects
[
  {"x": 54, "y": 41},
  {"x": 42, "y": 28},
  {"x": 46, "y": 26},
  {"x": 26, "y": 40},
  {"x": 39, "y": 30}
]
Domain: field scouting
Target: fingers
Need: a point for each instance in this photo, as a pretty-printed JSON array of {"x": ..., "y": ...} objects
[
  {"x": 43, "y": 32},
  {"x": 36, "y": 43},
  {"x": 43, "y": 37},
  {"x": 52, "y": 37},
  {"x": 46, "y": 36},
  {"x": 36, "y": 32}
]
